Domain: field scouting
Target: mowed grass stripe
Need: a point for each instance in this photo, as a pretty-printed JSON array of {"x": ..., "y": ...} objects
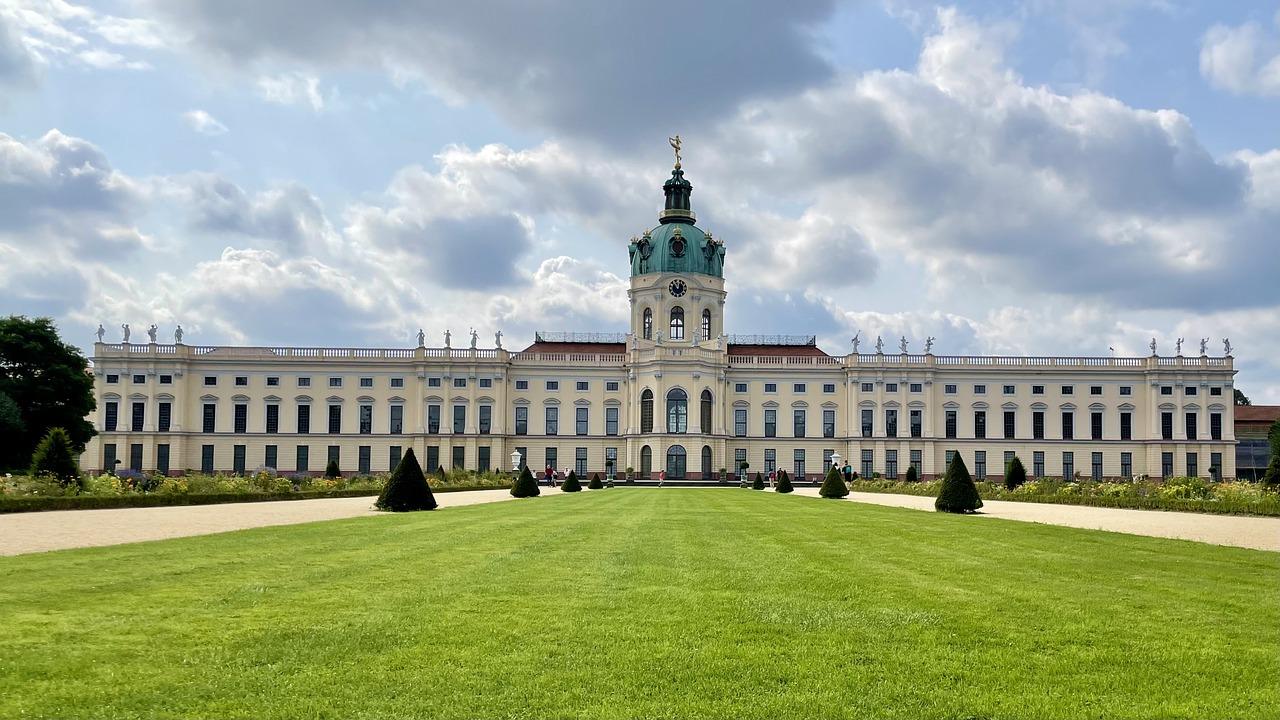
[{"x": 644, "y": 603}]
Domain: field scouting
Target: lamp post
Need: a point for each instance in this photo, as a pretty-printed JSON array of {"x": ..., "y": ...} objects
[
  {"x": 515, "y": 462},
  {"x": 839, "y": 466}
]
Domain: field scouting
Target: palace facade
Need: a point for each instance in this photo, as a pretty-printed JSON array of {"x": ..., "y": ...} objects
[{"x": 674, "y": 393}]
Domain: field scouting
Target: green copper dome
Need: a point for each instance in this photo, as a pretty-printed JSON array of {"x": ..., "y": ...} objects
[{"x": 676, "y": 244}]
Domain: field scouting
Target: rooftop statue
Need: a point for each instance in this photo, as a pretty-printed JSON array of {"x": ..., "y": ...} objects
[
  {"x": 1153, "y": 346},
  {"x": 928, "y": 344},
  {"x": 1204, "y": 344},
  {"x": 422, "y": 338},
  {"x": 675, "y": 145},
  {"x": 177, "y": 335},
  {"x": 1178, "y": 347},
  {"x": 497, "y": 339},
  {"x": 902, "y": 344},
  {"x": 856, "y": 341},
  {"x": 475, "y": 336},
  {"x": 125, "y": 328},
  {"x": 879, "y": 345},
  {"x": 101, "y": 331},
  {"x": 447, "y": 337},
  {"x": 151, "y": 332}
]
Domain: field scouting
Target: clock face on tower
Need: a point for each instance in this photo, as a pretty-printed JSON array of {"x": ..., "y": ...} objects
[{"x": 677, "y": 288}]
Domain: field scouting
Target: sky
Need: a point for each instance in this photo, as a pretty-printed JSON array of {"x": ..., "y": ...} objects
[{"x": 1044, "y": 177}]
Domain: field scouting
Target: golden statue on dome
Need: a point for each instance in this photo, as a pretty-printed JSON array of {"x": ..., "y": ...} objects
[{"x": 675, "y": 145}]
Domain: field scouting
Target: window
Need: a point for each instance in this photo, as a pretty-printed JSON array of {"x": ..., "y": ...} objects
[
  {"x": 917, "y": 461},
  {"x": 891, "y": 387},
  {"x": 648, "y": 324},
  {"x": 397, "y": 421},
  {"x": 891, "y": 464},
  {"x": 1215, "y": 465},
  {"x": 677, "y": 411},
  {"x": 139, "y": 379},
  {"x": 867, "y": 419},
  {"x": 611, "y": 421},
  {"x": 980, "y": 464},
  {"x": 1126, "y": 390},
  {"x": 210, "y": 380},
  {"x": 979, "y": 389},
  {"x": 397, "y": 382},
  {"x": 646, "y": 411},
  {"x": 1096, "y": 465},
  {"x": 168, "y": 380},
  {"x": 241, "y": 417},
  {"x": 1126, "y": 426},
  {"x": 980, "y": 424},
  {"x": 164, "y": 417},
  {"x": 270, "y": 456},
  {"x": 705, "y": 411},
  {"x": 551, "y": 416},
  {"x": 363, "y": 461},
  {"x": 1126, "y": 465},
  {"x": 740, "y": 387},
  {"x": 675, "y": 462},
  {"x": 272, "y": 381},
  {"x": 522, "y": 384},
  {"x": 335, "y": 382},
  {"x": 677, "y": 323},
  {"x": 580, "y": 461},
  {"x": 1190, "y": 421},
  {"x": 1009, "y": 389},
  {"x": 1037, "y": 425},
  {"x": 611, "y": 386},
  {"x": 1095, "y": 389},
  {"x": 917, "y": 423},
  {"x": 917, "y": 387},
  {"x": 135, "y": 457},
  {"x": 826, "y": 460},
  {"x": 302, "y": 459},
  {"x": 1068, "y": 390},
  {"x": 580, "y": 420},
  {"x": 433, "y": 382},
  {"x": 522, "y": 420},
  {"x": 486, "y": 419},
  {"x": 1037, "y": 464},
  {"x": 798, "y": 464},
  {"x": 209, "y": 417},
  {"x": 1068, "y": 425},
  {"x": 162, "y": 458},
  {"x": 770, "y": 423},
  {"x": 1037, "y": 389},
  {"x": 433, "y": 458},
  {"x": 828, "y": 388},
  {"x": 1095, "y": 425},
  {"x": 1166, "y": 389},
  {"x": 335, "y": 419},
  {"x": 552, "y": 457},
  {"x": 242, "y": 381},
  {"x": 611, "y": 460},
  {"x": 206, "y": 459},
  {"x": 460, "y": 382},
  {"x": 949, "y": 389},
  {"x": 394, "y": 453},
  {"x": 706, "y": 324},
  {"x": 1008, "y": 460},
  {"x": 867, "y": 470},
  {"x": 951, "y": 424},
  {"x": 740, "y": 461},
  {"x": 1166, "y": 426},
  {"x": 891, "y": 422},
  {"x": 1010, "y": 418},
  {"x": 459, "y": 460},
  {"x": 1215, "y": 392},
  {"x": 304, "y": 382},
  {"x": 1068, "y": 465},
  {"x": 112, "y": 379},
  {"x": 137, "y": 416},
  {"x": 335, "y": 454},
  {"x": 1189, "y": 390},
  {"x": 828, "y": 423},
  {"x": 237, "y": 459},
  {"x": 798, "y": 422},
  {"x": 740, "y": 422},
  {"x": 366, "y": 419},
  {"x": 1166, "y": 465},
  {"x": 868, "y": 387},
  {"x": 583, "y": 385},
  {"x": 770, "y": 460},
  {"x": 366, "y": 382},
  {"x": 797, "y": 388},
  {"x": 553, "y": 385},
  {"x": 771, "y": 387},
  {"x": 459, "y": 419},
  {"x": 304, "y": 419},
  {"x": 1215, "y": 426},
  {"x": 433, "y": 419}
]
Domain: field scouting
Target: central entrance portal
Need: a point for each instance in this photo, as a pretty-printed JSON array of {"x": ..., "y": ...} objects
[{"x": 675, "y": 462}]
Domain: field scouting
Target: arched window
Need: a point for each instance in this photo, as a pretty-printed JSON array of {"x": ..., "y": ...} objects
[
  {"x": 677, "y": 323},
  {"x": 706, "y": 411},
  {"x": 648, "y": 324},
  {"x": 646, "y": 411},
  {"x": 646, "y": 461},
  {"x": 677, "y": 411},
  {"x": 707, "y": 473},
  {"x": 706, "y": 324},
  {"x": 675, "y": 463}
]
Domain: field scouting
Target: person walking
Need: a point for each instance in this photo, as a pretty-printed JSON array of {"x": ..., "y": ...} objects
[
  {"x": 550, "y": 474},
  {"x": 662, "y": 477}
]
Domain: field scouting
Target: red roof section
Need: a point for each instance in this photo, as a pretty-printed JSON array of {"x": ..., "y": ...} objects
[
  {"x": 559, "y": 347},
  {"x": 777, "y": 350},
  {"x": 1257, "y": 413}
]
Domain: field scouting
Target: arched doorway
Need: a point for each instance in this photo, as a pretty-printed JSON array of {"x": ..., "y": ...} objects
[
  {"x": 707, "y": 473},
  {"x": 646, "y": 461},
  {"x": 677, "y": 411},
  {"x": 675, "y": 462}
]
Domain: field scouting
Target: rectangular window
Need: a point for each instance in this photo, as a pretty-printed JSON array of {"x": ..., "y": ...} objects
[
  {"x": 980, "y": 424},
  {"x": 740, "y": 387},
  {"x": 553, "y": 385},
  {"x": 524, "y": 457},
  {"x": 1215, "y": 391},
  {"x": 366, "y": 419},
  {"x": 917, "y": 462},
  {"x": 797, "y": 388},
  {"x": 1095, "y": 425},
  {"x": 868, "y": 387},
  {"x": 580, "y": 461},
  {"x": 1215, "y": 426},
  {"x": 433, "y": 382},
  {"x": 611, "y": 386},
  {"x": 1166, "y": 389},
  {"x": 433, "y": 458},
  {"x": 459, "y": 419},
  {"x": 139, "y": 379},
  {"x": 137, "y": 416},
  {"x": 242, "y": 381},
  {"x": 1037, "y": 389},
  {"x": 1008, "y": 458},
  {"x": 1189, "y": 390},
  {"x": 460, "y": 382},
  {"x": 1010, "y": 418},
  {"x": 552, "y": 417},
  {"x": 1068, "y": 390},
  {"x": 210, "y": 380},
  {"x": 304, "y": 419},
  {"x": 979, "y": 389},
  {"x": 364, "y": 459},
  {"x": 740, "y": 422},
  {"x": 771, "y": 387},
  {"x": 891, "y": 464},
  {"x": 335, "y": 419},
  {"x": 486, "y": 419},
  {"x": 433, "y": 419},
  {"x": 210, "y": 417},
  {"x": 1068, "y": 465},
  {"x": 552, "y": 458},
  {"x": 273, "y": 419},
  {"x": 522, "y": 384},
  {"x": 867, "y": 469},
  {"x": 304, "y": 382},
  {"x": 917, "y": 387},
  {"x": 112, "y": 378},
  {"x": 611, "y": 421},
  {"x": 1037, "y": 463},
  {"x": 397, "y": 420},
  {"x": 1166, "y": 426},
  {"x": 1009, "y": 389},
  {"x": 486, "y": 383},
  {"x": 335, "y": 382},
  {"x": 335, "y": 454},
  {"x": 483, "y": 458},
  {"x": 611, "y": 461},
  {"x": 164, "y": 417},
  {"x": 798, "y": 423},
  {"x": 770, "y": 423},
  {"x": 583, "y": 386},
  {"x": 206, "y": 459},
  {"x": 366, "y": 382},
  {"x": 1095, "y": 389},
  {"x": 949, "y": 389},
  {"x": 580, "y": 421},
  {"x": 1215, "y": 466},
  {"x": 891, "y": 387},
  {"x": 237, "y": 459},
  {"x": 1096, "y": 465},
  {"x": 739, "y": 462},
  {"x": 303, "y": 458},
  {"x": 917, "y": 423},
  {"x": 394, "y": 453},
  {"x": 397, "y": 382},
  {"x": 951, "y": 424},
  {"x": 241, "y": 411},
  {"x": 1126, "y": 390},
  {"x": 891, "y": 422},
  {"x": 828, "y": 423},
  {"x": 1037, "y": 425},
  {"x": 459, "y": 458},
  {"x": 522, "y": 420},
  {"x": 162, "y": 458},
  {"x": 980, "y": 465},
  {"x": 1126, "y": 426},
  {"x": 1126, "y": 465},
  {"x": 1190, "y": 421},
  {"x": 770, "y": 460},
  {"x": 1166, "y": 465},
  {"x": 168, "y": 380},
  {"x": 867, "y": 420},
  {"x": 1068, "y": 425},
  {"x": 798, "y": 464},
  {"x": 135, "y": 457},
  {"x": 828, "y": 388},
  {"x": 271, "y": 457}
]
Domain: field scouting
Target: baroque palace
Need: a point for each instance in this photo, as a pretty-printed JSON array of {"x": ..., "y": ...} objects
[{"x": 674, "y": 393}]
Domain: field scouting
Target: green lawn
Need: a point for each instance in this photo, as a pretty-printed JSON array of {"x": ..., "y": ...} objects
[{"x": 645, "y": 603}]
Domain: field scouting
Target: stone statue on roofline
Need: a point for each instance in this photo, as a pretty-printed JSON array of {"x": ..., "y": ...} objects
[
  {"x": 1177, "y": 345},
  {"x": 1226, "y": 346},
  {"x": 879, "y": 345},
  {"x": 497, "y": 339},
  {"x": 1204, "y": 345},
  {"x": 447, "y": 337},
  {"x": 151, "y": 332},
  {"x": 177, "y": 335},
  {"x": 1153, "y": 346},
  {"x": 902, "y": 344},
  {"x": 856, "y": 341},
  {"x": 475, "y": 337},
  {"x": 422, "y": 338},
  {"x": 101, "y": 331},
  {"x": 125, "y": 328},
  {"x": 928, "y": 344}
]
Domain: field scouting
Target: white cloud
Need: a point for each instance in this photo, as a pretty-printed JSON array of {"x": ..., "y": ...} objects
[
  {"x": 203, "y": 123},
  {"x": 56, "y": 31},
  {"x": 1244, "y": 59},
  {"x": 294, "y": 88}
]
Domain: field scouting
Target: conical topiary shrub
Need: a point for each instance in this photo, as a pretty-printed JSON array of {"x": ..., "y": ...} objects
[
  {"x": 53, "y": 456},
  {"x": 833, "y": 486},
  {"x": 407, "y": 488},
  {"x": 331, "y": 470},
  {"x": 595, "y": 483},
  {"x": 958, "y": 493},
  {"x": 525, "y": 485},
  {"x": 783, "y": 485},
  {"x": 1015, "y": 475},
  {"x": 911, "y": 474},
  {"x": 571, "y": 483},
  {"x": 758, "y": 484}
]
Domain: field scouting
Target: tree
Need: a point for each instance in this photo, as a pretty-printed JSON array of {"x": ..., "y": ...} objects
[
  {"x": 958, "y": 493},
  {"x": 49, "y": 382},
  {"x": 759, "y": 482},
  {"x": 595, "y": 483},
  {"x": 53, "y": 456},
  {"x": 1015, "y": 475},
  {"x": 833, "y": 486},
  {"x": 912, "y": 476},
  {"x": 1241, "y": 398},
  {"x": 525, "y": 485},
  {"x": 331, "y": 470},
  {"x": 407, "y": 488},
  {"x": 571, "y": 483},
  {"x": 1272, "y": 475},
  {"x": 784, "y": 483}
]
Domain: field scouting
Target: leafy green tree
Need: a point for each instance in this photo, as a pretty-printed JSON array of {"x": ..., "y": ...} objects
[
  {"x": 1241, "y": 398},
  {"x": 595, "y": 483},
  {"x": 1272, "y": 475},
  {"x": 958, "y": 493},
  {"x": 525, "y": 485},
  {"x": 758, "y": 484},
  {"x": 1014, "y": 475},
  {"x": 407, "y": 489},
  {"x": 331, "y": 470},
  {"x": 49, "y": 383},
  {"x": 783, "y": 485},
  {"x": 53, "y": 456},
  {"x": 571, "y": 483},
  {"x": 912, "y": 476},
  {"x": 833, "y": 486}
]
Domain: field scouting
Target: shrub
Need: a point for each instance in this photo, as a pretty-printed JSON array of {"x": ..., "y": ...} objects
[
  {"x": 53, "y": 456},
  {"x": 911, "y": 474},
  {"x": 525, "y": 485},
  {"x": 331, "y": 470},
  {"x": 407, "y": 488},
  {"x": 1015, "y": 475},
  {"x": 958, "y": 493},
  {"x": 784, "y": 482},
  {"x": 759, "y": 482},
  {"x": 571, "y": 483},
  {"x": 833, "y": 486},
  {"x": 595, "y": 483}
]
